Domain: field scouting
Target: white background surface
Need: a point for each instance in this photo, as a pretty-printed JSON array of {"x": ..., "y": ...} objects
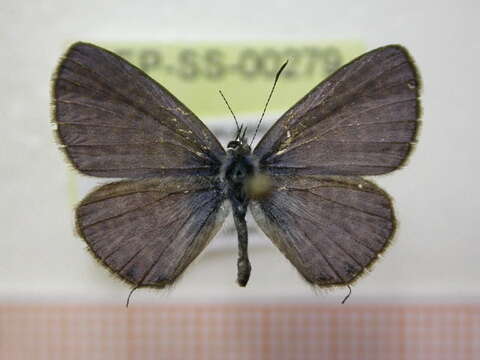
[{"x": 436, "y": 251}]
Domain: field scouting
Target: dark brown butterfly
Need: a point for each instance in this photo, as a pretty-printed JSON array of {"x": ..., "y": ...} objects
[{"x": 301, "y": 182}]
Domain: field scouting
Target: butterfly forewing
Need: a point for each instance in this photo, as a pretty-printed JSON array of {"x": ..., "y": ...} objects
[
  {"x": 330, "y": 228},
  {"x": 360, "y": 121},
  {"x": 115, "y": 121},
  {"x": 148, "y": 231}
]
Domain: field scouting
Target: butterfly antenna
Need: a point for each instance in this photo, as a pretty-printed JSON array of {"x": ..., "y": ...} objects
[
  {"x": 238, "y": 136},
  {"x": 348, "y": 295},
  {"x": 131, "y": 292},
  {"x": 244, "y": 133},
  {"x": 268, "y": 100},
  {"x": 229, "y": 108}
]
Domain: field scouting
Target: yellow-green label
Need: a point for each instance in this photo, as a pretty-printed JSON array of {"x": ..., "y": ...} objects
[{"x": 244, "y": 72}]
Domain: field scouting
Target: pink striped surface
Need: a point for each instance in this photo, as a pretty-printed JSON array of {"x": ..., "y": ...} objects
[{"x": 221, "y": 331}]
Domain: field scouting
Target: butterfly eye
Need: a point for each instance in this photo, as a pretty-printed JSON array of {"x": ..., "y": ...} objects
[{"x": 233, "y": 144}]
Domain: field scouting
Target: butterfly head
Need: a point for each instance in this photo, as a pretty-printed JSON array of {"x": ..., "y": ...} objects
[{"x": 240, "y": 144}]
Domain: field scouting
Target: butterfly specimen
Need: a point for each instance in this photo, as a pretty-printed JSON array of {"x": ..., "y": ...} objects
[{"x": 302, "y": 182}]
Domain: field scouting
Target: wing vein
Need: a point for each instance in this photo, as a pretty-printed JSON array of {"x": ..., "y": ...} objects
[
  {"x": 147, "y": 114},
  {"x": 171, "y": 241},
  {"x": 343, "y": 204},
  {"x": 339, "y": 126},
  {"x": 101, "y": 81},
  {"x": 320, "y": 167},
  {"x": 147, "y": 168},
  {"x": 335, "y": 242},
  {"x": 331, "y": 241},
  {"x": 92, "y": 106},
  {"x": 366, "y": 111},
  {"x": 131, "y": 210},
  {"x": 97, "y": 125},
  {"x": 292, "y": 216},
  {"x": 125, "y": 243},
  {"x": 139, "y": 192},
  {"x": 205, "y": 156},
  {"x": 215, "y": 208},
  {"x": 280, "y": 209},
  {"x": 351, "y": 236},
  {"x": 354, "y": 90}
]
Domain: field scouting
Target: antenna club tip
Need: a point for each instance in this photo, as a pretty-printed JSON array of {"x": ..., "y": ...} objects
[
  {"x": 268, "y": 100},
  {"x": 281, "y": 70}
]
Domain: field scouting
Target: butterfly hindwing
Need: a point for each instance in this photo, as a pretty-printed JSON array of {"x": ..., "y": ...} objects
[
  {"x": 330, "y": 228},
  {"x": 362, "y": 120},
  {"x": 115, "y": 121},
  {"x": 148, "y": 231}
]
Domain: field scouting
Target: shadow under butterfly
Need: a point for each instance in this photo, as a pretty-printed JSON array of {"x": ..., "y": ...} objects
[{"x": 301, "y": 182}]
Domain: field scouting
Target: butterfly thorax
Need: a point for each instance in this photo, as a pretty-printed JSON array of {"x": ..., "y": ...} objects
[{"x": 237, "y": 169}]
